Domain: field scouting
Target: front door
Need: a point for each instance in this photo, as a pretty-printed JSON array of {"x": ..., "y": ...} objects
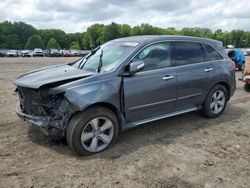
[{"x": 152, "y": 91}]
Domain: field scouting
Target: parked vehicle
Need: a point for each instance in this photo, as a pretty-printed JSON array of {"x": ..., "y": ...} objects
[
  {"x": 12, "y": 53},
  {"x": 84, "y": 52},
  {"x": 248, "y": 52},
  {"x": 37, "y": 52},
  {"x": 66, "y": 53},
  {"x": 123, "y": 84},
  {"x": 246, "y": 77},
  {"x": 53, "y": 53},
  {"x": 238, "y": 57},
  {"x": 2, "y": 54},
  {"x": 25, "y": 53},
  {"x": 74, "y": 53},
  {"x": 46, "y": 53},
  {"x": 246, "y": 80}
]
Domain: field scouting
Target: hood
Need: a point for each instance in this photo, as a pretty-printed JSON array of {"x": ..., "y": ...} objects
[
  {"x": 11, "y": 52},
  {"x": 50, "y": 75}
]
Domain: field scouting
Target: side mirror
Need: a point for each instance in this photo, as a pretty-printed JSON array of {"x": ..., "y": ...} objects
[{"x": 135, "y": 67}]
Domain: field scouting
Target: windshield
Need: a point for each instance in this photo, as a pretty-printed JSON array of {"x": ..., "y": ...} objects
[
  {"x": 111, "y": 54},
  {"x": 53, "y": 50}
]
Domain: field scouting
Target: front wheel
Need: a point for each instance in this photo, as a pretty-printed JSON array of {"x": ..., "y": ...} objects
[
  {"x": 92, "y": 131},
  {"x": 215, "y": 102}
]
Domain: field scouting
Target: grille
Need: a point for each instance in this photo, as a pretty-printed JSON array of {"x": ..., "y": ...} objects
[{"x": 30, "y": 101}]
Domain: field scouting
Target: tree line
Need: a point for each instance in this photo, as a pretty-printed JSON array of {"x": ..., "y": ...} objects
[{"x": 20, "y": 35}]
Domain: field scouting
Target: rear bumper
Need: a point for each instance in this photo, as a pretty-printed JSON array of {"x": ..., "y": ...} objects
[{"x": 41, "y": 122}]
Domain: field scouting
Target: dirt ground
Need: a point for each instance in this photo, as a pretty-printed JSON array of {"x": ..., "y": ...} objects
[{"x": 184, "y": 151}]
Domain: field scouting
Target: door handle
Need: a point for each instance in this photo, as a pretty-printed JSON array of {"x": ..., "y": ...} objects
[
  {"x": 167, "y": 77},
  {"x": 208, "y": 69}
]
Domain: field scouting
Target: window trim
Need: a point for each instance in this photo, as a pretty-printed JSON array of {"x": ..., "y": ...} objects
[
  {"x": 122, "y": 70},
  {"x": 203, "y": 53},
  {"x": 157, "y": 42},
  {"x": 206, "y": 54}
]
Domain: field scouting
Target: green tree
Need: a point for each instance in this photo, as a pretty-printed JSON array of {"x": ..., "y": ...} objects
[
  {"x": 61, "y": 37},
  {"x": 136, "y": 30},
  {"x": 169, "y": 31},
  {"x": 237, "y": 38},
  {"x": 75, "y": 45},
  {"x": 10, "y": 42},
  {"x": 111, "y": 31},
  {"x": 125, "y": 30},
  {"x": 19, "y": 35},
  {"x": 147, "y": 29},
  {"x": 52, "y": 43},
  {"x": 35, "y": 41},
  {"x": 76, "y": 38},
  {"x": 85, "y": 41},
  {"x": 24, "y": 31},
  {"x": 94, "y": 36}
]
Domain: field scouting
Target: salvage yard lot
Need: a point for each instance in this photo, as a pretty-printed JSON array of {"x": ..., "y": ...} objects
[{"x": 184, "y": 151}]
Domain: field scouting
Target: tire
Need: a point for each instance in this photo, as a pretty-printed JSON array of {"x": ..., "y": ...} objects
[
  {"x": 247, "y": 87},
  {"x": 216, "y": 97},
  {"x": 86, "y": 134}
]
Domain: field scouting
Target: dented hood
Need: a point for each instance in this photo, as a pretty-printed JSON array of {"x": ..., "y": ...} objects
[{"x": 51, "y": 75}]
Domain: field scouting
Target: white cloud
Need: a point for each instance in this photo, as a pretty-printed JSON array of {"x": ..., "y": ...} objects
[{"x": 77, "y": 15}]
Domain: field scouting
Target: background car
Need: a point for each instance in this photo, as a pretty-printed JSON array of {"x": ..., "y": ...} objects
[
  {"x": 74, "y": 53},
  {"x": 37, "y": 52},
  {"x": 45, "y": 53},
  {"x": 2, "y": 53},
  {"x": 66, "y": 53},
  {"x": 53, "y": 53},
  {"x": 84, "y": 52},
  {"x": 12, "y": 53},
  {"x": 248, "y": 52},
  {"x": 25, "y": 53}
]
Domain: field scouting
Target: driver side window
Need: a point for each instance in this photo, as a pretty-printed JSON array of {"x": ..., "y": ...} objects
[{"x": 155, "y": 56}]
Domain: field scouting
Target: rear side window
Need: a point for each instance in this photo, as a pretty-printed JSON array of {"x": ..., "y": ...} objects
[
  {"x": 211, "y": 53},
  {"x": 187, "y": 53}
]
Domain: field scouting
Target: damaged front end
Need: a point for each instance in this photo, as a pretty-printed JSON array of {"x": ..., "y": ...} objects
[{"x": 51, "y": 113}]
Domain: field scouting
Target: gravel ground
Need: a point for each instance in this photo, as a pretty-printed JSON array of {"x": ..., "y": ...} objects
[{"x": 184, "y": 151}]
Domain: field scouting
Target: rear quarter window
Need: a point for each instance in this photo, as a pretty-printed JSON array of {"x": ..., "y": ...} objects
[
  {"x": 186, "y": 53},
  {"x": 211, "y": 53}
]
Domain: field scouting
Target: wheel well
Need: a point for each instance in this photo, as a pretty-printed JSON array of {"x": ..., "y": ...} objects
[
  {"x": 110, "y": 107},
  {"x": 227, "y": 88}
]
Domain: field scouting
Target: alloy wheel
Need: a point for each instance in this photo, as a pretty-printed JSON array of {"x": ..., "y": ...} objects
[
  {"x": 97, "y": 134},
  {"x": 218, "y": 102}
]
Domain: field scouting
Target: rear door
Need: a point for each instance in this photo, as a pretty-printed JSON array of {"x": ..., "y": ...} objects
[
  {"x": 152, "y": 91},
  {"x": 192, "y": 74}
]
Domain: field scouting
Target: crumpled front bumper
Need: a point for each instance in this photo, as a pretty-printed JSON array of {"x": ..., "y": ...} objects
[{"x": 41, "y": 122}]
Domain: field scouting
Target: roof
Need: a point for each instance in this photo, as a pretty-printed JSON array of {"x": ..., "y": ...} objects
[{"x": 152, "y": 38}]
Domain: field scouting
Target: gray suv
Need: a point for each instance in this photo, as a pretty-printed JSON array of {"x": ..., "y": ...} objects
[{"x": 125, "y": 83}]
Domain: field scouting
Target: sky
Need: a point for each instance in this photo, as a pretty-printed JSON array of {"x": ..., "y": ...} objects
[{"x": 78, "y": 15}]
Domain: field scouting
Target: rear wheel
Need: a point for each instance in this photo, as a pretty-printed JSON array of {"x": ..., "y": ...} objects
[
  {"x": 215, "y": 102},
  {"x": 92, "y": 131}
]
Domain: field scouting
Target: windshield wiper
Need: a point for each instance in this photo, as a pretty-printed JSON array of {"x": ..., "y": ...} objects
[
  {"x": 88, "y": 56},
  {"x": 100, "y": 62}
]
